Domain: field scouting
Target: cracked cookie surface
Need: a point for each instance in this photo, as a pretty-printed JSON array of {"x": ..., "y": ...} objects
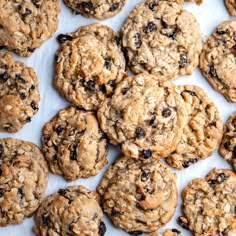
[
  {"x": 71, "y": 211},
  {"x": 228, "y": 144},
  {"x": 25, "y": 25},
  {"x": 168, "y": 232},
  {"x": 88, "y": 65},
  {"x": 203, "y": 131},
  {"x": 19, "y": 95},
  {"x": 23, "y": 180},
  {"x": 138, "y": 196},
  {"x": 100, "y": 9},
  {"x": 217, "y": 60},
  {"x": 231, "y": 7},
  {"x": 145, "y": 116},
  {"x": 161, "y": 38},
  {"x": 209, "y": 204},
  {"x": 74, "y": 145}
]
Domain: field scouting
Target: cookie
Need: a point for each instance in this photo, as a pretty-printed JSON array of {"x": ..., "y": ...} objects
[
  {"x": 161, "y": 38},
  {"x": 231, "y": 7},
  {"x": 203, "y": 132},
  {"x": 71, "y": 211},
  {"x": 19, "y": 94},
  {"x": 209, "y": 204},
  {"x": 138, "y": 196},
  {"x": 169, "y": 232},
  {"x": 74, "y": 145},
  {"x": 25, "y": 25},
  {"x": 23, "y": 180},
  {"x": 145, "y": 116},
  {"x": 228, "y": 144},
  {"x": 100, "y": 9},
  {"x": 88, "y": 65},
  {"x": 217, "y": 60}
]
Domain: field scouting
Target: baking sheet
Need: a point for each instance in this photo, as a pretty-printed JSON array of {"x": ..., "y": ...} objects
[{"x": 209, "y": 15}]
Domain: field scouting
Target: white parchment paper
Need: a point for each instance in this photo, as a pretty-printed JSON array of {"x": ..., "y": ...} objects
[{"x": 209, "y": 15}]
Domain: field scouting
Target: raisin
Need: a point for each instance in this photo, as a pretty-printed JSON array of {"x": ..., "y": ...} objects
[
  {"x": 182, "y": 222},
  {"x": 2, "y": 47},
  {"x": 212, "y": 71},
  {"x": 222, "y": 31},
  {"x": 36, "y": 2},
  {"x": 2, "y": 191},
  {"x": 125, "y": 90},
  {"x": 176, "y": 231},
  {"x": 108, "y": 62},
  {"x": 150, "y": 27},
  {"x": 146, "y": 153},
  {"x": 140, "y": 132},
  {"x": 219, "y": 179},
  {"x": 46, "y": 220},
  {"x": 28, "y": 119},
  {"x": 170, "y": 34},
  {"x": 138, "y": 232},
  {"x": 233, "y": 122},
  {"x": 227, "y": 145},
  {"x": 115, "y": 213},
  {"x": 1, "y": 150},
  {"x": 31, "y": 50},
  {"x": 234, "y": 153},
  {"x": 111, "y": 83},
  {"x": 73, "y": 155},
  {"x": 4, "y": 76},
  {"x": 63, "y": 192},
  {"x": 32, "y": 87},
  {"x": 90, "y": 85},
  {"x": 27, "y": 12},
  {"x": 34, "y": 105},
  {"x": 186, "y": 164},
  {"x": 59, "y": 129},
  {"x": 137, "y": 40},
  {"x": 145, "y": 175},
  {"x": 118, "y": 40},
  {"x": 21, "y": 192},
  {"x": 0, "y": 172},
  {"x": 102, "y": 228},
  {"x": 190, "y": 92},
  {"x": 183, "y": 61},
  {"x": 88, "y": 6},
  {"x": 22, "y": 96},
  {"x": 61, "y": 38},
  {"x": 152, "y": 6},
  {"x": 166, "y": 112},
  {"x": 20, "y": 79},
  {"x": 152, "y": 120},
  {"x": 114, "y": 6}
]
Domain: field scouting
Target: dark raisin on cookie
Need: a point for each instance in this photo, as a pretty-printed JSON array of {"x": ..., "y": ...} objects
[
  {"x": 59, "y": 129},
  {"x": 212, "y": 71},
  {"x": 182, "y": 221},
  {"x": 102, "y": 228},
  {"x": 22, "y": 96},
  {"x": 108, "y": 62},
  {"x": 146, "y": 153},
  {"x": 34, "y": 105},
  {"x": 125, "y": 90},
  {"x": 63, "y": 192},
  {"x": 114, "y": 6},
  {"x": 219, "y": 179},
  {"x": 46, "y": 220},
  {"x": 31, "y": 50},
  {"x": 186, "y": 164},
  {"x": 135, "y": 232},
  {"x": 61, "y": 38},
  {"x": 28, "y": 119},
  {"x": 183, "y": 61},
  {"x": 150, "y": 27},
  {"x": 90, "y": 85},
  {"x": 227, "y": 145},
  {"x": 20, "y": 79},
  {"x": 137, "y": 40},
  {"x": 37, "y": 3},
  {"x": 27, "y": 12},
  {"x": 21, "y": 193},
  {"x": 88, "y": 6},
  {"x": 176, "y": 231},
  {"x": 0, "y": 172},
  {"x": 117, "y": 40},
  {"x": 4, "y": 76},
  {"x": 145, "y": 175},
  {"x": 140, "y": 132},
  {"x": 192, "y": 93},
  {"x": 222, "y": 31},
  {"x": 2, "y": 191},
  {"x": 73, "y": 155},
  {"x": 1, "y": 150},
  {"x": 115, "y": 213},
  {"x": 166, "y": 112},
  {"x": 234, "y": 122},
  {"x": 152, "y": 6}
]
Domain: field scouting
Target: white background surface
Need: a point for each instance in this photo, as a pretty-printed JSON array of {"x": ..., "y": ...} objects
[{"x": 209, "y": 15}]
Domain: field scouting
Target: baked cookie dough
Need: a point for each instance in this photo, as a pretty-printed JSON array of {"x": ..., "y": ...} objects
[
  {"x": 228, "y": 144},
  {"x": 100, "y": 9},
  {"x": 217, "y": 60},
  {"x": 168, "y": 232},
  {"x": 231, "y": 7},
  {"x": 19, "y": 95},
  {"x": 209, "y": 204},
  {"x": 145, "y": 116},
  {"x": 138, "y": 196},
  {"x": 23, "y": 180},
  {"x": 203, "y": 132},
  {"x": 71, "y": 211},
  {"x": 74, "y": 145},
  {"x": 161, "y": 38},
  {"x": 89, "y": 64},
  {"x": 25, "y": 25}
]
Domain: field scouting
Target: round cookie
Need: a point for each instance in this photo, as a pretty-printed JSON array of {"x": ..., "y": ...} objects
[
  {"x": 100, "y": 9},
  {"x": 168, "y": 232},
  {"x": 228, "y": 144},
  {"x": 23, "y": 180},
  {"x": 74, "y": 145},
  {"x": 145, "y": 116},
  {"x": 161, "y": 38},
  {"x": 231, "y": 7},
  {"x": 25, "y": 25},
  {"x": 71, "y": 211},
  {"x": 138, "y": 196},
  {"x": 217, "y": 60},
  {"x": 88, "y": 65},
  {"x": 203, "y": 132},
  {"x": 19, "y": 95},
  {"x": 209, "y": 204}
]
